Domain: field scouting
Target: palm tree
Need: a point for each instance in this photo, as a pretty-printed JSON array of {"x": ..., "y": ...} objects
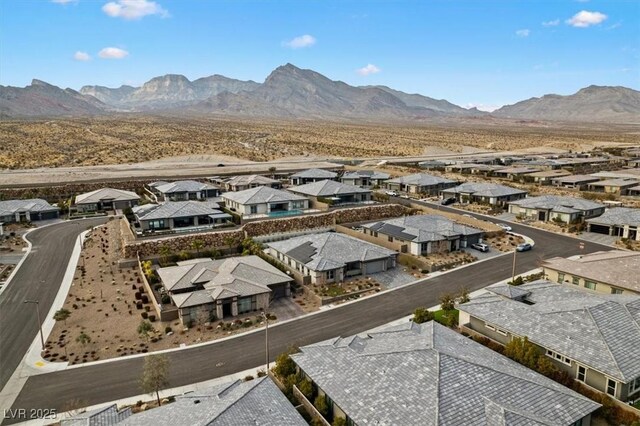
[{"x": 62, "y": 315}]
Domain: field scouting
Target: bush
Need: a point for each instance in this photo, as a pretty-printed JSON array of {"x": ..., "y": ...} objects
[
  {"x": 144, "y": 315},
  {"x": 339, "y": 421},
  {"x": 248, "y": 378},
  {"x": 284, "y": 366},
  {"x": 168, "y": 329},
  {"x": 152, "y": 318},
  {"x": 145, "y": 298},
  {"x": 306, "y": 387},
  {"x": 421, "y": 315},
  {"x": 165, "y": 299},
  {"x": 321, "y": 405}
]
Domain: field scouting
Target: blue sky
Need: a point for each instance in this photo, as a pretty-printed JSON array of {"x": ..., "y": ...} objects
[{"x": 470, "y": 52}]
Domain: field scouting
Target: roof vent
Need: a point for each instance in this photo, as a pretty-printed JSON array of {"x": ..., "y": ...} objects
[{"x": 197, "y": 401}]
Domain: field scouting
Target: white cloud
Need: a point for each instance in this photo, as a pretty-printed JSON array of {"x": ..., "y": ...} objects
[
  {"x": 300, "y": 42},
  {"x": 133, "y": 9},
  {"x": 552, "y": 23},
  {"x": 369, "y": 69},
  {"x": 81, "y": 56},
  {"x": 523, "y": 33},
  {"x": 113, "y": 53},
  {"x": 584, "y": 19},
  {"x": 482, "y": 107}
]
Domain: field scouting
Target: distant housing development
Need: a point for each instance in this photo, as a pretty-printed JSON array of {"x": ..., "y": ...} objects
[
  {"x": 223, "y": 288},
  {"x": 106, "y": 199},
  {"x": 556, "y": 208},
  {"x": 609, "y": 272},
  {"x": 422, "y": 234},
  {"x": 30, "y": 210},
  {"x": 618, "y": 221},
  {"x": 484, "y": 193},
  {"x": 427, "y": 374},
  {"x": 420, "y": 183},
  {"x": 593, "y": 337},
  {"x": 331, "y": 257}
]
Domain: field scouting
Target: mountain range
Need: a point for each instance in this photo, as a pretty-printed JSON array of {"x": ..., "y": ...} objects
[{"x": 291, "y": 92}]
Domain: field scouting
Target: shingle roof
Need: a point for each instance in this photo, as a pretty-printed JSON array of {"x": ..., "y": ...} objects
[
  {"x": 245, "y": 275},
  {"x": 241, "y": 180},
  {"x": 553, "y": 202},
  {"x": 256, "y": 402},
  {"x": 329, "y": 250},
  {"x": 422, "y": 228},
  {"x": 315, "y": 174},
  {"x": 105, "y": 416},
  {"x": 618, "y": 216},
  {"x": 615, "y": 267},
  {"x": 175, "y": 209},
  {"x": 327, "y": 188},
  {"x": 11, "y": 207},
  {"x": 106, "y": 194},
  {"x": 427, "y": 374},
  {"x": 485, "y": 189},
  {"x": 183, "y": 186},
  {"x": 261, "y": 194},
  {"x": 371, "y": 174},
  {"x": 601, "y": 331},
  {"x": 420, "y": 179}
]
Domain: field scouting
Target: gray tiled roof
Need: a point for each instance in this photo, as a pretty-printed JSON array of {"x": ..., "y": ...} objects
[
  {"x": 176, "y": 209},
  {"x": 241, "y": 180},
  {"x": 329, "y": 250},
  {"x": 422, "y": 228},
  {"x": 245, "y": 275},
  {"x": 621, "y": 182},
  {"x": 35, "y": 205},
  {"x": 427, "y": 374},
  {"x": 256, "y": 402},
  {"x": 328, "y": 188},
  {"x": 598, "y": 330},
  {"x": 183, "y": 186},
  {"x": 575, "y": 179},
  {"x": 420, "y": 179},
  {"x": 106, "y": 194},
  {"x": 371, "y": 174},
  {"x": 484, "y": 190},
  {"x": 105, "y": 416},
  {"x": 517, "y": 170},
  {"x": 553, "y": 202},
  {"x": 618, "y": 216},
  {"x": 616, "y": 267},
  {"x": 260, "y": 195},
  {"x": 315, "y": 174}
]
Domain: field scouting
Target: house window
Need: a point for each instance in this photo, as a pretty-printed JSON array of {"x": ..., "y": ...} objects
[
  {"x": 581, "y": 374},
  {"x": 253, "y": 209},
  {"x": 245, "y": 304},
  {"x": 331, "y": 274},
  {"x": 575, "y": 280},
  {"x": 616, "y": 290},
  {"x": 390, "y": 238},
  {"x": 634, "y": 386},
  {"x": 560, "y": 278},
  {"x": 611, "y": 387},
  {"x": 590, "y": 285}
]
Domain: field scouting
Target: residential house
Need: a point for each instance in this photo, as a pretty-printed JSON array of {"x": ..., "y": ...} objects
[
  {"x": 432, "y": 164},
  {"x": 545, "y": 177},
  {"x": 333, "y": 192},
  {"x": 264, "y": 200},
  {"x": 311, "y": 175},
  {"x": 31, "y": 210},
  {"x": 106, "y": 199},
  {"x": 634, "y": 191},
  {"x": 556, "y": 208},
  {"x": 420, "y": 183},
  {"x": 365, "y": 178},
  {"x": 330, "y": 257},
  {"x": 574, "y": 181},
  {"x": 427, "y": 374},
  {"x": 244, "y": 182},
  {"x": 621, "y": 222},
  {"x": 472, "y": 168},
  {"x": 183, "y": 190},
  {"x": 105, "y": 416},
  {"x": 484, "y": 193},
  {"x": 593, "y": 337},
  {"x": 514, "y": 173},
  {"x": 179, "y": 216},
  {"x": 633, "y": 173},
  {"x": 422, "y": 234},
  {"x": 205, "y": 288},
  {"x": 608, "y": 272},
  {"x": 618, "y": 186}
]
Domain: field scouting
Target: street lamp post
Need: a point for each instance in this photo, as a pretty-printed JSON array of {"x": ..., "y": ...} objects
[
  {"x": 266, "y": 338},
  {"x": 513, "y": 269},
  {"x": 39, "y": 322}
]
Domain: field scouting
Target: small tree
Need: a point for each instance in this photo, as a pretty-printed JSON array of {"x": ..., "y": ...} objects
[
  {"x": 83, "y": 338},
  {"x": 284, "y": 365},
  {"x": 321, "y": 405},
  {"x": 62, "y": 315},
  {"x": 155, "y": 374},
  {"x": 463, "y": 295},
  {"x": 522, "y": 351},
  {"x": 197, "y": 245},
  {"x": 447, "y": 302},
  {"x": 306, "y": 387},
  {"x": 421, "y": 315},
  {"x": 165, "y": 251},
  {"x": 144, "y": 328}
]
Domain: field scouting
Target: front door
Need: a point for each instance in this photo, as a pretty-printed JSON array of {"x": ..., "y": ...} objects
[
  {"x": 542, "y": 216},
  {"x": 226, "y": 309}
]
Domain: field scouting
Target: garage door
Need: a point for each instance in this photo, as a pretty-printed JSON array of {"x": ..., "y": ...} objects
[
  {"x": 599, "y": 229},
  {"x": 278, "y": 291},
  {"x": 375, "y": 266}
]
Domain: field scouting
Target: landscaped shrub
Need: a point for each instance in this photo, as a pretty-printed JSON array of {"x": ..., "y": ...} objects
[
  {"x": 421, "y": 315},
  {"x": 152, "y": 318},
  {"x": 321, "y": 405},
  {"x": 144, "y": 315},
  {"x": 145, "y": 298},
  {"x": 306, "y": 387},
  {"x": 168, "y": 329},
  {"x": 284, "y": 365}
]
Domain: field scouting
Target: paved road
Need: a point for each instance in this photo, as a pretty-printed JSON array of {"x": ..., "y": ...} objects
[
  {"x": 38, "y": 278},
  {"x": 105, "y": 382}
]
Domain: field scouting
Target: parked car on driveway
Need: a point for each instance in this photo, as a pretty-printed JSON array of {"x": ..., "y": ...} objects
[
  {"x": 391, "y": 193},
  {"x": 447, "y": 201},
  {"x": 524, "y": 247},
  {"x": 480, "y": 246},
  {"x": 504, "y": 226}
]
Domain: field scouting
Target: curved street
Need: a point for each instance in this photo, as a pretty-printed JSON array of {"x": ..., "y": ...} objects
[{"x": 104, "y": 382}]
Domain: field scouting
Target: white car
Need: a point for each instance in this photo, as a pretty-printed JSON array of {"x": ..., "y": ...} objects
[
  {"x": 504, "y": 226},
  {"x": 391, "y": 193}
]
